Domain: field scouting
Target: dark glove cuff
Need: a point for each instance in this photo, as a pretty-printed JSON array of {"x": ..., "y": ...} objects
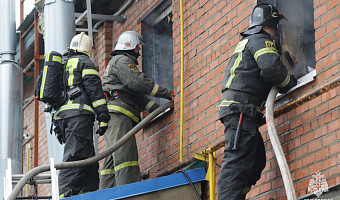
[
  {"x": 103, "y": 117},
  {"x": 292, "y": 83}
]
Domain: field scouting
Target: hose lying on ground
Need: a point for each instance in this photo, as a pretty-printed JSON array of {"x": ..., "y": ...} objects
[
  {"x": 93, "y": 159},
  {"x": 274, "y": 139}
]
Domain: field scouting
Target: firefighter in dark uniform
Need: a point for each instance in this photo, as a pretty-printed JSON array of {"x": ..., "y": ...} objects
[
  {"x": 126, "y": 89},
  {"x": 74, "y": 119},
  {"x": 253, "y": 69}
]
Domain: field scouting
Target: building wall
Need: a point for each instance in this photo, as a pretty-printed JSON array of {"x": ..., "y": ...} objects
[
  {"x": 309, "y": 134},
  {"x": 28, "y": 123}
]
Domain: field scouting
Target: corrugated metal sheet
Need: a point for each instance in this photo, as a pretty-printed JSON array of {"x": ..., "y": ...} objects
[{"x": 27, "y": 21}]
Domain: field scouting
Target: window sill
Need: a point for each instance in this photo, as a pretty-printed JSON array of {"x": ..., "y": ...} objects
[
  {"x": 304, "y": 80},
  {"x": 158, "y": 116}
]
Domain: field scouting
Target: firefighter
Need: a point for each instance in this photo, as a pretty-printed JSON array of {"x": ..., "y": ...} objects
[
  {"x": 253, "y": 69},
  {"x": 75, "y": 118},
  {"x": 127, "y": 91}
]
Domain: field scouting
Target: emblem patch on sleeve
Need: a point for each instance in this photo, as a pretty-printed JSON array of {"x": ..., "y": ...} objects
[
  {"x": 271, "y": 45},
  {"x": 133, "y": 67},
  {"x": 240, "y": 46}
]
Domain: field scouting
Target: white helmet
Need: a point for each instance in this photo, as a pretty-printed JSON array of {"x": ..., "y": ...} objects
[
  {"x": 82, "y": 43},
  {"x": 128, "y": 40}
]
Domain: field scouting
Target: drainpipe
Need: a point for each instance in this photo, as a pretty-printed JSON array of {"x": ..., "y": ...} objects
[
  {"x": 182, "y": 85},
  {"x": 11, "y": 91},
  {"x": 59, "y": 30}
]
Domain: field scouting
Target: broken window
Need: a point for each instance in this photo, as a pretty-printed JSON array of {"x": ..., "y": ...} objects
[
  {"x": 296, "y": 35},
  {"x": 158, "y": 47}
]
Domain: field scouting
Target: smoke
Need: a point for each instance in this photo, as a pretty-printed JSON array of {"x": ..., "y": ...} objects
[{"x": 298, "y": 33}]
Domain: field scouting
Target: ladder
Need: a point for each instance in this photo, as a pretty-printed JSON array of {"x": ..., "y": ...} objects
[{"x": 52, "y": 178}]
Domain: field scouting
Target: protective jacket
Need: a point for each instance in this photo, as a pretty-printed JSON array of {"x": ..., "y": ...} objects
[
  {"x": 132, "y": 86},
  {"x": 254, "y": 68},
  {"x": 123, "y": 78},
  {"x": 74, "y": 122},
  {"x": 83, "y": 85}
]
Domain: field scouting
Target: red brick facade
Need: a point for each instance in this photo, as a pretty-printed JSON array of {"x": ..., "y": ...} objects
[{"x": 309, "y": 134}]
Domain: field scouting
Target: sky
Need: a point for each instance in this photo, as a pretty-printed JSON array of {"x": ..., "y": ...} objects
[{"x": 28, "y": 6}]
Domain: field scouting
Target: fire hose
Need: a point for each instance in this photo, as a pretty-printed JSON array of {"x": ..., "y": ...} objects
[
  {"x": 279, "y": 154},
  {"x": 93, "y": 159}
]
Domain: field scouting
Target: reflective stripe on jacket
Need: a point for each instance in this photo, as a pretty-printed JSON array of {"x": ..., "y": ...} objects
[
  {"x": 81, "y": 72},
  {"x": 254, "y": 68},
  {"x": 132, "y": 86}
]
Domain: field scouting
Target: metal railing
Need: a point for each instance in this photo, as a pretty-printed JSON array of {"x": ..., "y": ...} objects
[{"x": 93, "y": 159}]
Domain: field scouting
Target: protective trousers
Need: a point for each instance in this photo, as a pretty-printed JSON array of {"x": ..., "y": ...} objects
[
  {"x": 78, "y": 133},
  {"x": 241, "y": 168},
  {"x": 121, "y": 167}
]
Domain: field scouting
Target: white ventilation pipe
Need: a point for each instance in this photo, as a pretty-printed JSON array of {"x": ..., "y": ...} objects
[
  {"x": 11, "y": 92},
  {"x": 58, "y": 33}
]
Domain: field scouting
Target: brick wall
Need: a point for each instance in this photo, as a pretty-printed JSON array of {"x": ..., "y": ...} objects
[
  {"x": 308, "y": 134},
  {"x": 28, "y": 124}
]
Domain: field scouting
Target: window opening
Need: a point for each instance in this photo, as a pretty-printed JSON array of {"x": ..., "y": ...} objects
[
  {"x": 296, "y": 35},
  {"x": 157, "y": 63},
  {"x": 296, "y": 39}
]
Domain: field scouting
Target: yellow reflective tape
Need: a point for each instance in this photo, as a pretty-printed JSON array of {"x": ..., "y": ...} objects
[
  {"x": 103, "y": 124},
  {"x": 47, "y": 57},
  {"x": 98, "y": 103},
  {"x": 232, "y": 70},
  {"x": 70, "y": 66},
  {"x": 241, "y": 46},
  {"x": 57, "y": 59},
  {"x": 285, "y": 82},
  {"x": 225, "y": 103},
  {"x": 75, "y": 106},
  {"x": 42, "y": 87},
  {"x": 263, "y": 51},
  {"x": 62, "y": 196},
  {"x": 124, "y": 111},
  {"x": 107, "y": 171},
  {"x": 126, "y": 164},
  {"x": 88, "y": 72},
  {"x": 119, "y": 167},
  {"x": 154, "y": 90},
  {"x": 149, "y": 106}
]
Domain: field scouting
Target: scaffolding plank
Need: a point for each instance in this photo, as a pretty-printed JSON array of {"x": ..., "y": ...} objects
[{"x": 143, "y": 187}]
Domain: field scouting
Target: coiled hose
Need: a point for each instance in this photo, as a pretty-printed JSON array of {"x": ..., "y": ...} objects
[
  {"x": 274, "y": 139},
  {"x": 93, "y": 159}
]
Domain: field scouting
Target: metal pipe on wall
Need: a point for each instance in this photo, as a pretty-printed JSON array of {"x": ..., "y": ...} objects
[
  {"x": 59, "y": 30},
  {"x": 119, "y": 12},
  {"x": 182, "y": 85},
  {"x": 11, "y": 91},
  {"x": 36, "y": 102}
]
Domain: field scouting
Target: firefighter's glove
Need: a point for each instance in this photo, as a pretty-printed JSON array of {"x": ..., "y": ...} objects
[
  {"x": 102, "y": 128},
  {"x": 103, "y": 120},
  {"x": 172, "y": 95},
  {"x": 60, "y": 138},
  {"x": 292, "y": 82}
]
